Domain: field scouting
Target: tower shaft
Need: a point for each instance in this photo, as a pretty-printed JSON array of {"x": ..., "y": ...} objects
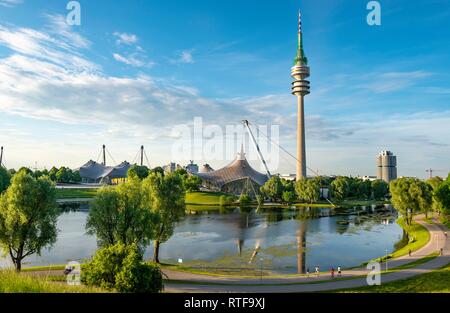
[{"x": 301, "y": 142}]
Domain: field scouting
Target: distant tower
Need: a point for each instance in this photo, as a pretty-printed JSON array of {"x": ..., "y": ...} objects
[
  {"x": 300, "y": 88},
  {"x": 104, "y": 154},
  {"x": 386, "y": 166}
]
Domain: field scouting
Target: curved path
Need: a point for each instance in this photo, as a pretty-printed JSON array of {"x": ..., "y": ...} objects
[{"x": 188, "y": 282}]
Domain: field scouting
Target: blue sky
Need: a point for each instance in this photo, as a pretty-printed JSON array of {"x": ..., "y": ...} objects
[{"x": 134, "y": 69}]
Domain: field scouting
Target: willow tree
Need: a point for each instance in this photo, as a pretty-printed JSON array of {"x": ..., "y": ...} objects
[
  {"x": 166, "y": 198},
  {"x": 28, "y": 217}
]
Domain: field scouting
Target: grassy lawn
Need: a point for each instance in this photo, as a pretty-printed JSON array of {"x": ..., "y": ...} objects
[
  {"x": 12, "y": 282},
  {"x": 435, "y": 282},
  {"x": 314, "y": 205},
  {"x": 75, "y": 193},
  {"x": 44, "y": 268},
  {"x": 204, "y": 198},
  {"x": 419, "y": 237},
  {"x": 357, "y": 202}
]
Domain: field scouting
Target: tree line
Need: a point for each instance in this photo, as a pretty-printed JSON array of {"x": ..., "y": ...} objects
[
  {"x": 57, "y": 175},
  {"x": 309, "y": 189},
  {"x": 411, "y": 196}
]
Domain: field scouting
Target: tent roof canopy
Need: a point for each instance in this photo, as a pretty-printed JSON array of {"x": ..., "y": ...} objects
[{"x": 239, "y": 169}]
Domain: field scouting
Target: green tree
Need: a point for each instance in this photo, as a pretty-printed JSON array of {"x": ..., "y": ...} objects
[
  {"x": 5, "y": 179},
  {"x": 289, "y": 197},
  {"x": 410, "y": 196},
  {"x": 244, "y": 199},
  {"x": 365, "y": 189},
  {"x": 227, "y": 200},
  {"x": 442, "y": 196},
  {"x": 26, "y": 170},
  {"x": 120, "y": 267},
  {"x": 159, "y": 170},
  {"x": 121, "y": 214},
  {"x": 52, "y": 173},
  {"x": 28, "y": 217},
  {"x": 422, "y": 192},
  {"x": 273, "y": 188},
  {"x": 182, "y": 172},
  {"x": 192, "y": 183},
  {"x": 353, "y": 186},
  {"x": 137, "y": 171},
  {"x": 380, "y": 189},
  {"x": 340, "y": 188},
  {"x": 308, "y": 189},
  {"x": 63, "y": 175},
  {"x": 166, "y": 197},
  {"x": 288, "y": 185},
  {"x": 76, "y": 177},
  {"x": 435, "y": 183}
]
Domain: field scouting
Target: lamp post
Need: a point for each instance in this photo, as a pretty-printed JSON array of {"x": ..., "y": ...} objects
[
  {"x": 261, "y": 267},
  {"x": 386, "y": 260},
  {"x": 437, "y": 241}
]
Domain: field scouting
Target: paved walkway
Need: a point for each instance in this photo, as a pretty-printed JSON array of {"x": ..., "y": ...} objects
[{"x": 205, "y": 283}]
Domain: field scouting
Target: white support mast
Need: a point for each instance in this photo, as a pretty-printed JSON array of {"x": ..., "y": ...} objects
[{"x": 255, "y": 143}]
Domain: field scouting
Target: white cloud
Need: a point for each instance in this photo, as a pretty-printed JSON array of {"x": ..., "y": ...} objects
[
  {"x": 10, "y": 3},
  {"x": 127, "y": 39},
  {"x": 131, "y": 60},
  {"x": 184, "y": 57}
]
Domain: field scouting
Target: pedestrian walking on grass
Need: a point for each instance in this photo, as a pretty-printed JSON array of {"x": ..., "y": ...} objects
[
  {"x": 307, "y": 272},
  {"x": 339, "y": 271}
]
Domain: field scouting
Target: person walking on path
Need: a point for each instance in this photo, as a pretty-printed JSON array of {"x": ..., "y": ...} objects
[
  {"x": 307, "y": 272},
  {"x": 409, "y": 253},
  {"x": 332, "y": 273},
  {"x": 317, "y": 271},
  {"x": 339, "y": 271}
]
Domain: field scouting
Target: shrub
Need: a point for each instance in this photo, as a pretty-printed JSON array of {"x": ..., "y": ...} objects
[
  {"x": 121, "y": 268},
  {"x": 244, "y": 199},
  {"x": 260, "y": 199},
  {"x": 226, "y": 200}
]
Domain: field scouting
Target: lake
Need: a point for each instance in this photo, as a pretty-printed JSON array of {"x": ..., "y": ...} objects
[{"x": 279, "y": 240}]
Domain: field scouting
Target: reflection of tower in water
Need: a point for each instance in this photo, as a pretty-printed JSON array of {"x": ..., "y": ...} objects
[{"x": 301, "y": 248}]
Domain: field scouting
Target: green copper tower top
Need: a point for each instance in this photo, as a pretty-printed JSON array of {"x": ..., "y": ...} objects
[{"x": 300, "y": 58}]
